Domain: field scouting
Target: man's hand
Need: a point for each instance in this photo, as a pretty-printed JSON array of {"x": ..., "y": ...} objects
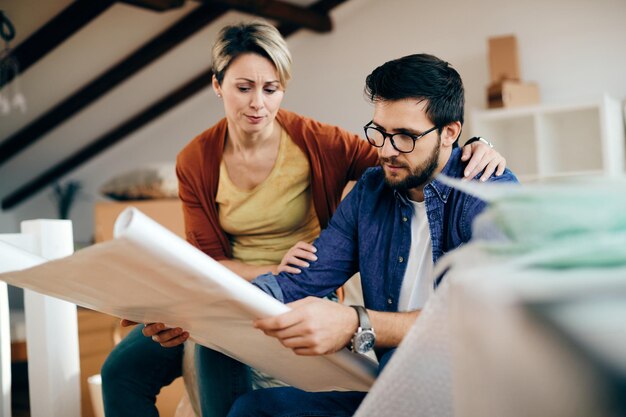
[
  {"x": 165, "y": 336},
  {"x": 483, "y": 157},
  {"x": 315, "y": 326},
  {"x": 297, "y": 256}
]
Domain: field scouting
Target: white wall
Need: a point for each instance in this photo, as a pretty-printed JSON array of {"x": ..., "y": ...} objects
[{"x": 574, "y": 49}]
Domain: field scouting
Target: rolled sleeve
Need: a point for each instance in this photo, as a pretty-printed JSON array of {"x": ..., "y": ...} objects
[{"x": 268, "y": 284}]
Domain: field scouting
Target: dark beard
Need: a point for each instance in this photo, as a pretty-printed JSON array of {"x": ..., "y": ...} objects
[{"x": 420, "y": 176}]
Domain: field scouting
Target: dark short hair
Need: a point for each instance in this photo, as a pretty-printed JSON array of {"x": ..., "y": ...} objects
[{"x": 423, "y": 77}]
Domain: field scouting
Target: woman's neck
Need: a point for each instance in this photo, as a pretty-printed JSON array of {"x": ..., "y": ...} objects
[{"x": 240, "y": 141}]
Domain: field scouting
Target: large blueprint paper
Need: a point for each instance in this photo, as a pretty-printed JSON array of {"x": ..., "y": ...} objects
[{"x": 148, "y": 274}]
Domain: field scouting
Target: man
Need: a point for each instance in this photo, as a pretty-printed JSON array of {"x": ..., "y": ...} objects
[{"x": 395, "y": 224}]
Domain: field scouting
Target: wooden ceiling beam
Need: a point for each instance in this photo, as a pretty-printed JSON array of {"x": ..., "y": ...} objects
[
  {"x": 176, "y": 97},
  {"x": 156, "y": 5},
  {"x": 320, "y": 6},
  {"x": 107, "y": 140},
  {"x": 146, "y": 54},
  {"x": 55, "y": 32},
  {"x": 283, "y": 12}
]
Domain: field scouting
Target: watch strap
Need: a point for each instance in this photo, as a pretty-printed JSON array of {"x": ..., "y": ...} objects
[
  {"x": 364, "y": 318},
  {"x": 478, "y": 139}
]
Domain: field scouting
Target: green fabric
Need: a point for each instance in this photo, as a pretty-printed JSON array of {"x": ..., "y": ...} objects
[{"x": 565, "y": 224}]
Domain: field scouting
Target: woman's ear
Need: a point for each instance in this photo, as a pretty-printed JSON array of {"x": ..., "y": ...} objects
[
  {"x": 216, "y": 86},
  {"x": 450, "y": 133}
]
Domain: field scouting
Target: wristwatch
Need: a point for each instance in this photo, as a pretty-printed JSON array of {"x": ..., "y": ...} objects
[
  {"x": 364, "y": 338},
  {"x": 479, "y": 139}
]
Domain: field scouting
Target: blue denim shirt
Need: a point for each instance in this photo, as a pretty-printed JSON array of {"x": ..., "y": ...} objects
[{"x": 371, "y": 232}]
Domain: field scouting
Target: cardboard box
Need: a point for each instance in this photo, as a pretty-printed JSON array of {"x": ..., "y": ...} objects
[
  {"x": 512, "y": 94},
  {"x": 503, "y": 59},
  {"x": 167, "y": 212}
]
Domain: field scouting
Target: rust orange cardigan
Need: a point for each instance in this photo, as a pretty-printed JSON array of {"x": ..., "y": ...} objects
[{"x": 335, "y": 157}]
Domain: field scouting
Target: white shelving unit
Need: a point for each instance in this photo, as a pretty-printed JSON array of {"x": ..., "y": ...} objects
[{"x": 557, "y": 140}]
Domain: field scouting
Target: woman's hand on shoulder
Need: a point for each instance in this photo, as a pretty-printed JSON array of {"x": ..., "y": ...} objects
[
  {"x": 482, "y": 156},
  {"x": 298, "y": 257}
]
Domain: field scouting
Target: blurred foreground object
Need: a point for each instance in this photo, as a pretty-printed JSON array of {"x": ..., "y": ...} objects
[
  {"x": 530, "y": 319},
  {"x": 538, "y": 302}
]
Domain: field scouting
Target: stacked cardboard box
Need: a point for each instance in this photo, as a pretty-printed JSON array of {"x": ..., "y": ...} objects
[{"x": 506, "y": 88}]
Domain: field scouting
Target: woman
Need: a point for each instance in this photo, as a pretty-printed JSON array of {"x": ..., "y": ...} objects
[{"x": 261, "y": 181}]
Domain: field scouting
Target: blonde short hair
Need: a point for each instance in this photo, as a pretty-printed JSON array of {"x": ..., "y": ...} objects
[{"x": 256, "y": 37}]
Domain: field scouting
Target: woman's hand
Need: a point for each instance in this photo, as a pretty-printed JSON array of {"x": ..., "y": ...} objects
[
  {"x": 297, "y": 256},
  {"x": 165, "y": 336},
  {"x": 483, "y": 157}
]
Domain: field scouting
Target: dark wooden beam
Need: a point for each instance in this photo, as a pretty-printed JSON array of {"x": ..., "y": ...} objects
[
  {"x": 320, "y": 6},
  {"x": 176, "y": 97},
  {"x": 55, "y": 32},
  {"x": 108, "y": 139},
  {"x": 281, "y": 11},
  {"x": 145, "y": 55},
  {"x": 156, "y": 5}
]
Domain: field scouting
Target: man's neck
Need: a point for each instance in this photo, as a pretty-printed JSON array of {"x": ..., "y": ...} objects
[{"x": 417, "y": 194}]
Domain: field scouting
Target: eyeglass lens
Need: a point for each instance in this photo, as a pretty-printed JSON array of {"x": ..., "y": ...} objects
[{"x": 401, "y": 142}]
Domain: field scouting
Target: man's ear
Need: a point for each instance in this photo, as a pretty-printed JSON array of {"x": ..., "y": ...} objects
[
  {"x": 450, "y": 133},
  {"x": 216, "y": 86}
]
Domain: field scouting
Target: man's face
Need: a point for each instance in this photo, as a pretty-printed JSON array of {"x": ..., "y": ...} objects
[{"x": 412, "y": 170}]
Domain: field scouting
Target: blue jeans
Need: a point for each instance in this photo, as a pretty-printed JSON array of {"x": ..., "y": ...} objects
[
  {"x": 134, "y": 373},
  {"x": 221, "y": 380},
  {"x": 137, "y": 368},
  {"x": 293, "y": 402}
]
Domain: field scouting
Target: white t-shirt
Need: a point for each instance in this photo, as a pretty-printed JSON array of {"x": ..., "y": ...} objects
[{"x": 417, "y": 284}]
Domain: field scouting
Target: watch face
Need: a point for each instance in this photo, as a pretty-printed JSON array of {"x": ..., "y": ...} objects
[{"x": 364, "y": 341}]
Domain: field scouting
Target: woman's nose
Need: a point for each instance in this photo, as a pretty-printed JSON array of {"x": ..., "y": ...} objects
[{"x": 256, "y": 101}]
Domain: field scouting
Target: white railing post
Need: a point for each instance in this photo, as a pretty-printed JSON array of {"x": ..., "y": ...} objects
[
  {"x": 52, "y": 332},
  {"x": 5, "y": 353},
  {"x": 9, "y": 261}
]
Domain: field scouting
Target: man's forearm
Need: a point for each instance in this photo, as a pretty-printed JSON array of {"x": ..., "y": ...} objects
[{"x": 391, "y": 328}]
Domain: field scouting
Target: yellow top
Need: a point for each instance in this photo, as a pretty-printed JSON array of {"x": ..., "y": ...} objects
[{"x": 263, "y": 223}]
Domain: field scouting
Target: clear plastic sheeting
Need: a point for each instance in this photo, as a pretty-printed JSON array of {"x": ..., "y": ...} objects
[
  {"x": 526, "y": 301},
  {"x": 418, "y": 379}
]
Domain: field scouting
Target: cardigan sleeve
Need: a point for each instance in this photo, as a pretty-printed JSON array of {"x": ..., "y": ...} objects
[
  {"x": 347, "y": 153},
  {"x": 361, "y": 155},
  {"x": 336, "y": 157},
  {"x": 201, "y": 223}
]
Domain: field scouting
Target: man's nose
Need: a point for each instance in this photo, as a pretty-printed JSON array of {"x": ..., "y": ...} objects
[{"x": 388, "y": 150}]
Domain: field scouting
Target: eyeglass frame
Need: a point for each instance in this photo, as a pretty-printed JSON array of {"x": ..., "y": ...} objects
[{"x": 391, "y": 135}]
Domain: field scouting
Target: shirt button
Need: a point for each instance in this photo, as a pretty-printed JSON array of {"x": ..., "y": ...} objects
[
  {"x": 389, "y": 301},
  {"x": 405, "y": 219},
  {"x": 400, "y": 259}
]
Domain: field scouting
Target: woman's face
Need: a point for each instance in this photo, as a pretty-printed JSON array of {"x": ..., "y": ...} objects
[{"x": 251, "y": 92}]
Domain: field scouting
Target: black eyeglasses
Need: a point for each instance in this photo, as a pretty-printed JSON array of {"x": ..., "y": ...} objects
[{"x": 401, "y": 142}]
